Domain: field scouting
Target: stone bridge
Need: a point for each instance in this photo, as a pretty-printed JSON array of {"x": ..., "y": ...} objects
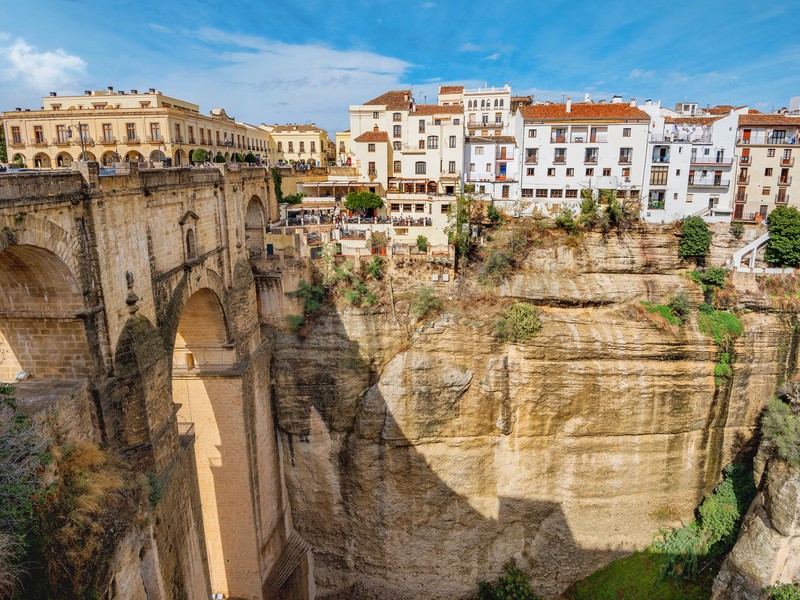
[{"x": 129, "y": 299}]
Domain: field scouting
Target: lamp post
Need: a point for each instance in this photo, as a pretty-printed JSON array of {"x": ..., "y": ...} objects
[{"x": 79, "y": 129}]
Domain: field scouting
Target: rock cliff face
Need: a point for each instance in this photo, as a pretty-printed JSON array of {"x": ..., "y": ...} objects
[
  {"x": 417, "y": 467},
  {"x": 768, "y": 549}
]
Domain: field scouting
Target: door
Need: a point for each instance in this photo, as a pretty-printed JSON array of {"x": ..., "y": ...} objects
[
  {"x": 737, "y": 212},
  {"x": 503, "y": 169},
  {"x": 746, "y": 136}
]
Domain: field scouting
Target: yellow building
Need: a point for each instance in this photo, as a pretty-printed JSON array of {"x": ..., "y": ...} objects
[
  {"x": 111, "y": 126},
  {"x": 344, "y": 154},
  {"x": 305, "y": 144}
]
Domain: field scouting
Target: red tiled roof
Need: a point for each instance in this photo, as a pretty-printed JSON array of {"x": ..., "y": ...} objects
[
  {"x": 720, "y": 109},
  {"x": 450, "y": 89},
  {"x": 753, "y": 111},
  {"x": 761, "y": 119},
  {"x": 581, "y": 111},
  {"x": 290, "y": 128},
  {"x": 692, "y": 120},
  {"x": 373, "y": 136},
  {"x": 393, "y": 100},
  {"x": 435, "y": 109}
]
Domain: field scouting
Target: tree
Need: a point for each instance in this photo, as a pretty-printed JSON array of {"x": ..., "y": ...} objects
[
  {"x": 237, "y": 157},
  {"x": 459, "y": 217},
  {"x": 422, "y": 243},
  {"x": 783, "y": 246},
  {"x": 199, "y": 155},
  {"x": 219, "y": 158},
  {"x": 250, "y": 158},
  {"x": 3, "y": 153},
  {"x": 362, "y": 202},
  {"x": 495, "y": 216},
  {"x": 695, "y": 238}
]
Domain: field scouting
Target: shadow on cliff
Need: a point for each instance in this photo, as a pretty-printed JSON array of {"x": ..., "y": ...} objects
[{"x": 382, "y": 522}]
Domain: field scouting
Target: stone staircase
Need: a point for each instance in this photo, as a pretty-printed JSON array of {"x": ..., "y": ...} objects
[{"x": 291, "y": 557}]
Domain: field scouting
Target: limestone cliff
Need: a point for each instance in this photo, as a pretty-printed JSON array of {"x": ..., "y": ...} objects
[{"x": 417, "y": 467}]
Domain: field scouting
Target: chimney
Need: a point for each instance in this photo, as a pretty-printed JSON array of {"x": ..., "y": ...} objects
[
  {"x": 616, "y": 99},
  {"x": 53, "y": 94},
  {"x": 87, "y": 92},
  {"x": 134, "y": 91},
  {"x": 152, "y": 90},
  {"x": 18, "y": 109},
  {"x": 587, "y": 97},
  {"x": 110, "y": 89},
  {"x": 569, "y": 104},
  {"x": 633, "y": 101}
]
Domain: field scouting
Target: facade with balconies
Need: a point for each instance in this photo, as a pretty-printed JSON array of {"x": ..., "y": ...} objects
[
  {"x": 690, "y": 163},
  {"x": 115, "y": 126},
  {"x": 567, "y": 148},
  {"x": 491, "y": 168},
  {"x": 487, "y": 110},
  {"x": 767, "y": 173}
]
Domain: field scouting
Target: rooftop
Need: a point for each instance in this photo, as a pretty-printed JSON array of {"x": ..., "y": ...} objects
[
  {"x": 435, "y": 109},
  {"x": 769, "y": 120},
  {"x": 582, "y": 111},
  {"x": 295, "y": 128},
  {"x": 373, "y": 136},
  {"x": 451, "y": 89},
  {"x": 692, "y": 120},
  {"x": 393, "y": 100}
]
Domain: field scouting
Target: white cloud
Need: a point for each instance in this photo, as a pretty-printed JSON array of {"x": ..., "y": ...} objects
[
  {"x": 494, "y": 56},
  {"x": 641, "y": 74},
  {"x": 428, "y": 5},
  {"x": 469, "y": 47},
  {"x": 41, "y": 71}
]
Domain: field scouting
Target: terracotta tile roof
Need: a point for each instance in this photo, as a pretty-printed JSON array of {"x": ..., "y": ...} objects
[
  {"x": 492, "y": 139},
  {"x": 720, "y": 109},
  {"x": 373, "y": 136},
  {"x": 393, "y": 100},
  {"x": 769, "y": 120},
  {"x": 451, "y": 89},
  {"x": 582, "y": 111},
  {"x": 753, "y": 111},
  {"x": 435, "y": 109},
  {"x": 298, "y": 128},
  {"x": 692, "y": 120}
]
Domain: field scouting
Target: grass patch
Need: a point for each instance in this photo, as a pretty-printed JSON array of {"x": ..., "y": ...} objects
[
  {"x": 664, "y": 310},
  {"x": 723, "y": 327},
  {"x": 520, "y": 322},
  {"x": 781, "y": 427},
  {"x": 783, "y": 591}
]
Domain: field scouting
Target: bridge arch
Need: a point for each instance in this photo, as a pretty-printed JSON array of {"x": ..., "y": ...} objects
[{"x": 255, "y": 221}]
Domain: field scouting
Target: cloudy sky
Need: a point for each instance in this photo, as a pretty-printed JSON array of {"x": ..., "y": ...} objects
[{"x": 298, "y": 62}]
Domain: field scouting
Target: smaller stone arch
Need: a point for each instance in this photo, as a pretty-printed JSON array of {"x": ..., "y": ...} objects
[
  {"x": 109, "y": 157},
  {"x": 64, "y": 159},
  {"x": 90, "y": 157},
  {"x": 41, "y": 161},
  {"x": 255, "y": 227},
  {"x": 157, "y": 155},
  {"x": 134, "y": 156},
  {"x": 180, "y": 158},
  {"x": 18, "y": 159}
]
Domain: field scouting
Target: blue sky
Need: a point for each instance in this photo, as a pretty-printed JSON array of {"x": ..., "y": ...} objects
[{"x": 307, "y": 61}]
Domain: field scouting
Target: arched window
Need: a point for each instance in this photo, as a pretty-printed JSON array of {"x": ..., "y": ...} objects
[
  {"x": 191, "y": 246},
  {"x": 495, "y": 102},
  {"x": 433, "y": 142},
  {"x": 419, "y": 168},
  {"x": 501, "y": 103},
  {"x": 483, "y": 104}
]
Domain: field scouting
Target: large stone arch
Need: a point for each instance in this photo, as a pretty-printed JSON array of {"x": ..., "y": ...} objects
[{"x": 43, "y": 233}]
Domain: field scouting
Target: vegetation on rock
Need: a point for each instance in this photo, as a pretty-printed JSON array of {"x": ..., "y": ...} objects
[
  {"x": 780, "y": 427},
  {"x": 783, "y": 246},
  {"x": 723, "y": 327},
  {"x": 695, "y": 238},
  {"x": 513, "y": 585},
  {"x": 519, "y": 323},
  {"x": 277, "y": 178},
  {"x": 426, "y": 302},
  {"x": 783, "y": 591}
]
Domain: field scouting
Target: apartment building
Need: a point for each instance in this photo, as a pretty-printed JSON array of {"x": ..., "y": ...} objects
[
  {"x": 487, "y": 110},
  {"x": 767, "y": 174},
  {"x": 111, "y": 126},
  {"x": 344, "y": 153},
  {"x": 292, "y": 143},
  {"x": 492, "y": 168},
  {"x": 451, "y": 95},
  {"x": 565, "y": 148},
  {"x": 690, "y": 162}
]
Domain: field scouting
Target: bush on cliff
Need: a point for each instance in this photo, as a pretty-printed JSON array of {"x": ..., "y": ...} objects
[
  {"x": 519, "y": 323},
  {"x": 425, "y": 303},
  {"x": 720, "y": 325},
  {"x": 781, "y": 427},
  {"x": 514, "y": 585},
  {"x": 783, "y": 591},
  {"x": 783, "y": 246},
  {"x": 695, "y": 238}
]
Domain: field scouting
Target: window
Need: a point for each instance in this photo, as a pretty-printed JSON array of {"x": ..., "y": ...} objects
[
  {"x": 531, "y": 155},
  {"x": 396, "y": 116},
  {"x": 291, "y": 146},
  {"x": 130, "y": 131},
  {"x": 313, "y": 147},
  {"x": 560, "y": 155},
  {"x": 444, "y": 209},
  {"x": 303, "y": 147},
  {"x": 406, "y": 208},
  {"x": 571, "y": 194},
  {"x": 471, "y": 167},
  {"x": 191, "y": 248},
  {"x": 397, "y": 130},
  {"x": 527, "y": 192},
  {"x": 626, "y": 172},
  {"x": 108, "y": 136},
  {"x": 626, "y": 132},
  {"x": 589, "y": 172},
  {"x": 556, "y": 193},
  {"x": 590, "y": 156},
  {"x": 419, "y": 168},
  {"x": 606, "y": 172},
  {"x": 437, "y": 121},
  {"x": 16, "y": 137},
  {"x": 421, "y": 145},
  {"x": 177, "y": 131},
  {"x": 395, "y": 207},
  {"x": 625, "y": 155},
  {"x": 218, "y": 139},
  {"x": 456, "y": 121},
  {"x": 433, "y": 142},
  {"x": 765, "y": 191},
  {"x": 540, "y": 193},
  {"x": 451, "y": 166},
  {"x": 280, "y": 146},
  {"x": 504, "y": 192},
  {"x": 452, "y": 141},
  {"x": 397, "y": 145},
  {"x": 677, "y": 172},
  {"x": 370, "y": 147},
  {"x": 397, "y": 166},
  {"x": 488, "y": 167},
  {"x": 771, "y": 152},
  {"x": 419, "y": 208},
  {"x": 498, "y": 118},
  {"x": 372, "y": 171},
  {"x": 155, "y": 132},
  {"x": 478, "y": 150},
  {"x": 61, "y": 133},
  {"x": 38, "y": 134},
  {"x": 658, "y": 175},
  {"x": 376, "y": 115},
  {"x": 422, "y": 125},
  {"x": 551, "y": 172},
  {"x": 530, "y": 171},
  {"x": 531, "y": 133},
  {"x": 495, "y": 102},
  {"x": 768, "y": 172}
]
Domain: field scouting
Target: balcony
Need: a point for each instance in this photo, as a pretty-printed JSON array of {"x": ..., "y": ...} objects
[
  {"x": 560, "y": 160},
  {"x": 16, "y": 143},
  {"x": 787, "y": 162},
  {"x": 191, "y": 140},
  {"x": 625, "y": 160},
  {"x": 110, "y": 141},
  {"x": 186, "y": 433},
  {"x": 661, "y": 159},
  {"x": 558, "y": 139},
  {"x": 61, "y": 142},
  {"x": 39, "y": 142},
  {"x": 743, "y": 180},
  {"x": 711, "y": 160},
  {"x": 590, "y": 160},
  {"x": 785, "y": 180},
  {"x": 781, "y": 198},
  {"x": 740, "y": 198},
  {"x": 178, "y": 139},
  {"x": 655, "y": 204},
  {"x": 658, "y": 183},
  {"x": 504, "y": 156},
  {"x": 133, "y": 140},
  {"x": 745, "y": 160},
  {"x": 157, "y": 139},
  {"x": 708, "y": 183},
  {"x": 532, "y": 160}
]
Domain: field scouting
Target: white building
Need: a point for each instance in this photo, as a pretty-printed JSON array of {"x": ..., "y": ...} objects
[
  {"x": 492, "y": 166},
  {"x": 566, "y": 148},
  {"x": 690, "y": 162},
  {"x": 487, "y": 110}
]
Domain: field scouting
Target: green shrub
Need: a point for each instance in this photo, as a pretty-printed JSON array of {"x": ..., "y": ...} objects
[
  {"x": 199, "y": 155},
  {"x": 783, "y": 246},
  {"x": 737, "y": 230},
  {"x": 720, "y": 325},
  {"x": 664, "y": 310},
  {"x": 520, "y": 322},
  {"x": 250, "y": 158},
  {"x": 362, "y": 202},
  {"x": 712, "y": 276},
  {"x": 219, "y": 158},
  {"x": 514, "y": 585},
  {"x": 781, "y": 427},
  {"x": 496, "y": 267},
  {"x": 313, "y": 296},
  {"x": 292, "y": 198},
  {"x": 426, "y": 302},
  {"x": 495, "y": 216},
  {"x": 680, "y": 305},
  {"x": 156, "y": 492},
  {"x": 296, "y": 321},
  {"x": 783, "y": 591},
  {"x": 353, "y": 297},
  {"x": 566, "y": 221},
  {"x": 422, "y": 243},
  {"x": 695, "y": 238},
  {"x": 375, "y": 267}
]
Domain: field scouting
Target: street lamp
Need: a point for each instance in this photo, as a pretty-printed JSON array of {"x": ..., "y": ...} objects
[{"x": 79, "y": 129}]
